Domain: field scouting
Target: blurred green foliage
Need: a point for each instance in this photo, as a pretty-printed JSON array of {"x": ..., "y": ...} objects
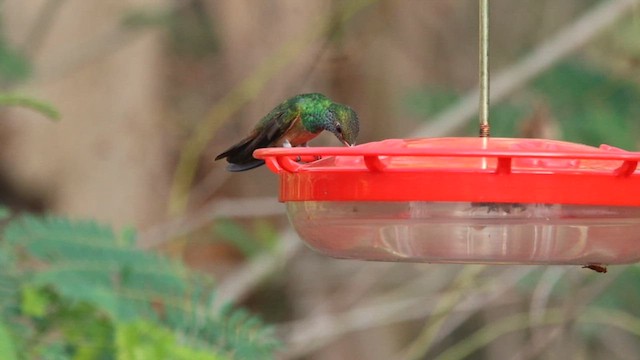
[
  {"x": 146, "y": 340},
  {"x": 429, "y": 101},
  {"x": 4, "y": 213},
  {"x": 620, "y": 295},
  {"x": 14, "y": 67},
  {"x": 189, "y": 26},
  {"x": 8, "y": 350},
  {"x": 262, "y": 238},
  {"x": 590, "y": 105},
  {"x": 78, "y": 290}
]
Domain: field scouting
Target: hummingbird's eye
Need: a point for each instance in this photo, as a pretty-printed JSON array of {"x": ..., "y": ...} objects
[{"x": 338, "y": 129}]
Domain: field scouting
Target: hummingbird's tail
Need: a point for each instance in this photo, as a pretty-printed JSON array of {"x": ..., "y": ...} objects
[
  {"x": 240, "y": 156},
  {"x": 243, "y": 167}
]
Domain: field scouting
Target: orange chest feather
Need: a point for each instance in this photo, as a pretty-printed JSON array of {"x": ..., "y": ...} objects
[{"x": 296, "y": 134}]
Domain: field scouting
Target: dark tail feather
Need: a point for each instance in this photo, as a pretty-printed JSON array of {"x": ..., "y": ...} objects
[
  {"x": 243, "y": 167},
  {"x": 240, "y": 156},
  {"x": 238, "y": 150}
]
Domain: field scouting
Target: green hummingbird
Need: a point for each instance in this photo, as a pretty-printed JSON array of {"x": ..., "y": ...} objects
[{"x": 293, "y": 123}]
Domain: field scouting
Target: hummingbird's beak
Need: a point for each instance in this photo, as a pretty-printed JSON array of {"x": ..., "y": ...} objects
[{"x": 346, "y": 143}]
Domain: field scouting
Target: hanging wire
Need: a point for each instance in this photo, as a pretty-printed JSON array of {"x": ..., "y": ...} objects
[{"x": 484, "y": 68}]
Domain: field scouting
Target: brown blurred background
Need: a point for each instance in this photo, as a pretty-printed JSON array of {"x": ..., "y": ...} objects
[{"x": 149, "y": 91}]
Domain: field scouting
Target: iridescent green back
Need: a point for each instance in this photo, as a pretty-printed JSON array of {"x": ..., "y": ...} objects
[{"x": 311, "y": 107}]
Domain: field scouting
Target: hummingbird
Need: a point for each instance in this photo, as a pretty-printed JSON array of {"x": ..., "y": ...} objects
[{"x": 293, "y": 123}]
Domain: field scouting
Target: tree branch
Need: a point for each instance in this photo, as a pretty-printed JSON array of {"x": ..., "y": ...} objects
[{"x": 222, "y": 208}]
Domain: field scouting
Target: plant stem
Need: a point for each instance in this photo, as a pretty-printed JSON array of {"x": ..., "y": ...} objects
[{"x": 443, "y": 308}]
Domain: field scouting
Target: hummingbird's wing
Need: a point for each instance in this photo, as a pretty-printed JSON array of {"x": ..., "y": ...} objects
[
  {"x": 239, "y": 156},
  {"x": 270, "y": 129}
]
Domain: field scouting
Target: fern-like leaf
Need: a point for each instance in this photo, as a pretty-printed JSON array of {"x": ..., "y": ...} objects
[{"x": 87, "y": 263}]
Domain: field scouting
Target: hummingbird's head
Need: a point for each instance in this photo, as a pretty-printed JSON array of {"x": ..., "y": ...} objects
[{"x": 343, "y": 123}]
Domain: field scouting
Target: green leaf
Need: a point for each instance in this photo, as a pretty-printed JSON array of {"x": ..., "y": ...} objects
[
  {"x": 42, "y": 107},
  {"x": 236, "y": 235},
  {"x": 86, "y": 331},
  {"x": 143, "y": 340},
  {"x": 591, "y": 106},
  {"x": 14, "y": 67},
  {"x": 34, "y": 301},
  {"x": 143, "y": 18},
  {"x": 53, "y": 351},
  {"x": 619, "y": 295},
  {"x": 5, "y": 213},
  {"x": 267, "y": 233},
  {"x": 7, "y": 349},
  {"x": 128, "y": 236},
  {"x": 429, "y": 101}
]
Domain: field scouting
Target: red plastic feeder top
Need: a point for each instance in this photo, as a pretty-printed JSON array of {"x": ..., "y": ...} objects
[{"x": 486, "y": 200}]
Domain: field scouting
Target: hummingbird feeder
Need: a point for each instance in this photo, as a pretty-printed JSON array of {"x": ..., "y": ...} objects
[{"x": 465, "y": 200}]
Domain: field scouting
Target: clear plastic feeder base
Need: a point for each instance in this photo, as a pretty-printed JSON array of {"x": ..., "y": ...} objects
[
  {"x": 465, "y": 200},
  {"x": 463, "y": 232}
]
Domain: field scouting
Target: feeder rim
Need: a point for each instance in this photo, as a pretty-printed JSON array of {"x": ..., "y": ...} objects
[
  {"x": 448, "y": 152},
  {"x": 383, "y": 171}
]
